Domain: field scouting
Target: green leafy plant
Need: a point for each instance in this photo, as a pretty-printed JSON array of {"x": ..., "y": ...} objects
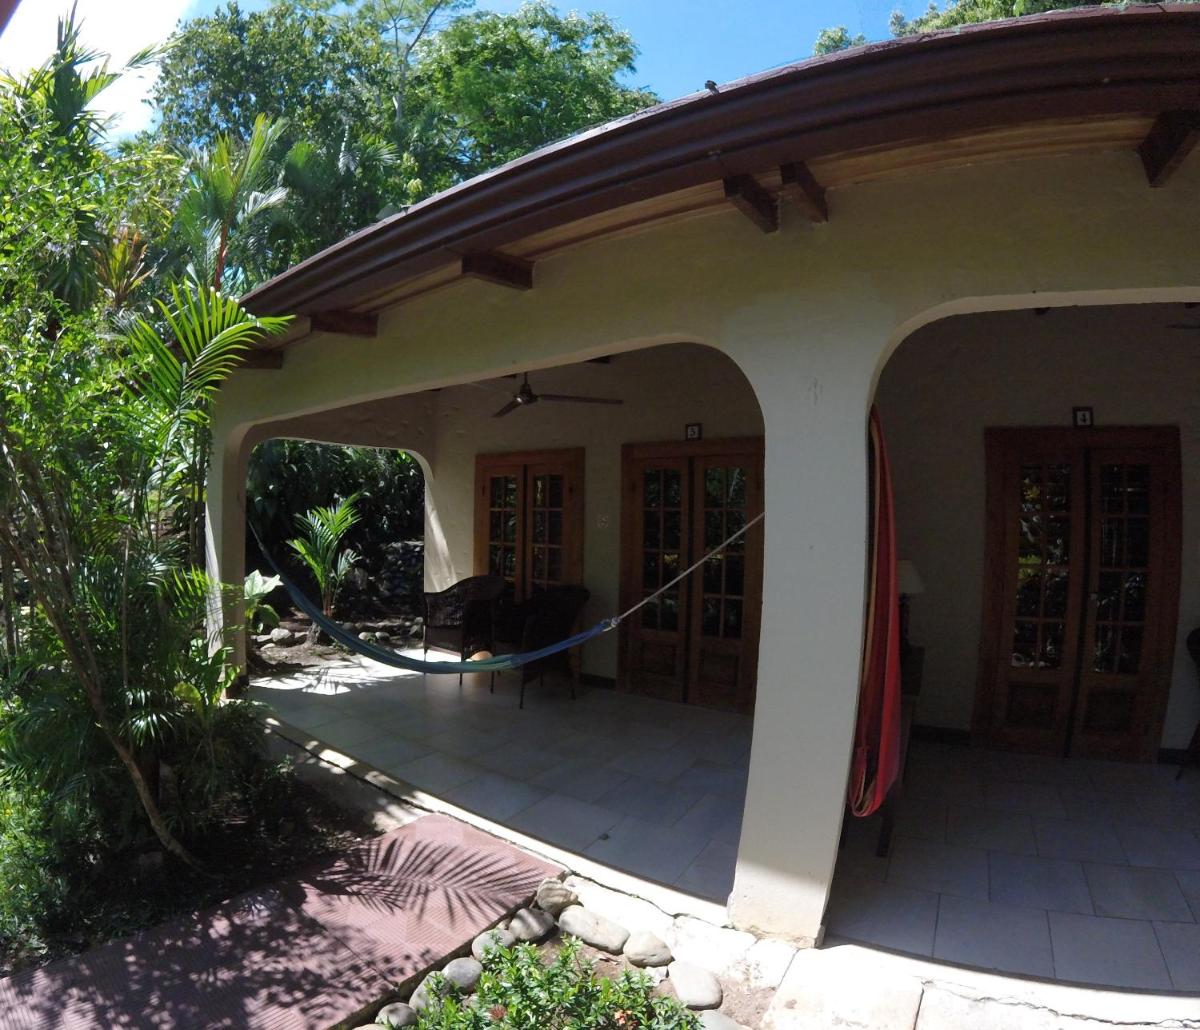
[
  {"x": 320, "y": 548},
  {"x": 260, "y": 616},
  {"x": 517, "y": 990}
]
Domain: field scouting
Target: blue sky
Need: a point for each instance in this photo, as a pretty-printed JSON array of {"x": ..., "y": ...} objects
[{"x": 683, "y": 42}]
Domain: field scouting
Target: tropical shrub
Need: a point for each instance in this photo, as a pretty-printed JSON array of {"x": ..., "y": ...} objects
[
  {"x": 319, "y": 547},
  {"x": 260, "y": 616},
  {"x": 517, "y": 990}
]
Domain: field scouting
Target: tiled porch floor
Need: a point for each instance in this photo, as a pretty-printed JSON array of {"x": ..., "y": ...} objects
[
  {"x": 649, "y": 787},
  {"x": 1069, "y": 870}
]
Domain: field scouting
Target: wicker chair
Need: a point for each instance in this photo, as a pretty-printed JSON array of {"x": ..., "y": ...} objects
[
  {"x": 462, "y": 618},
  {"x": 547, "y": 617}
]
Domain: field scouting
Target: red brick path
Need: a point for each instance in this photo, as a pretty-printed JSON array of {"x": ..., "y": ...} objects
[{"x": 306, "y": 952}]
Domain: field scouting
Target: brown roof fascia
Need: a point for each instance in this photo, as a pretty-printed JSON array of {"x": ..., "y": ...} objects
[
  {"x": 7, "y": 7},
  {"x": 1079, "y": 63}
]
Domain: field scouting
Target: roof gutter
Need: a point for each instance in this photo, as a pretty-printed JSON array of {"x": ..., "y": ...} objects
[{"x": 1098, "y": 61}]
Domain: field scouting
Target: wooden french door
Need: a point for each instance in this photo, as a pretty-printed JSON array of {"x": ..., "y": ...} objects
[
  {"x": 698, "y": 642},
  {"x": 529, "y": 518},
  {"x": 1081, "y": 591}
]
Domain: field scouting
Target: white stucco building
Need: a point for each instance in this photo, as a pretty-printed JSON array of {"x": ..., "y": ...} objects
[{"x": 977, "y": 231}]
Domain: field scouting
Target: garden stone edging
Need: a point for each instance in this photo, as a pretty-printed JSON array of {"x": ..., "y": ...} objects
[
  {"x": 696, "y": 987},
  {"x": 593, "y": 928}
]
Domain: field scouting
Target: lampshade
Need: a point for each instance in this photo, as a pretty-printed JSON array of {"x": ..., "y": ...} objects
[{"x": 908, "y": 579}]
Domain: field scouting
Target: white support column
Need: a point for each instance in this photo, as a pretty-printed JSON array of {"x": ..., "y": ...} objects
[
  {"x": 813, "y": 603},
  {"x": 225, "y": 535}
]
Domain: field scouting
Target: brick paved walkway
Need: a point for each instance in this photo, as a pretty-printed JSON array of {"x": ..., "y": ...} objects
[{"x": 306, "y": 952}]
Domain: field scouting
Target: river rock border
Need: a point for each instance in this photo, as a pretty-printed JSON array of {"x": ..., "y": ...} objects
[{"x": 689, "y": 959}]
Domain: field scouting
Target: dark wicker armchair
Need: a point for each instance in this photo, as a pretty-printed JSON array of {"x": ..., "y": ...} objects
[
  {"x": 462, "y": 618},
  {"x": 547, "y": 617}
]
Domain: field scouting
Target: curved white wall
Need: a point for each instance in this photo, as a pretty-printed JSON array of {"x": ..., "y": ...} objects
[{"x": 810, "y": 315}]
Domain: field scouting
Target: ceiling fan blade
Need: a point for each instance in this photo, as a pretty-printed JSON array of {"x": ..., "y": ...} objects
[
  {"x": 510, "y": 406},
  {"x": 574, "y": 399}
]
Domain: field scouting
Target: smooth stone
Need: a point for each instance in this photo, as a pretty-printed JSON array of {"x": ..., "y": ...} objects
[
  {"x": 697, "y": 988},
  {"x": 397, "y": 1014},
  {"x": 647, "y": 949},
  {"x": 553, "y": 896},
  {"x": 464, "y": 973},
  {"x": 383, "y": 638},
  {"x": 282, "y": 636},
  {"x": 530, "y": 924},
  {"x": 711, "y": 1020},
  {"x": 489, "y": 939},
  {"x": 421, "y": 997},
  {"x": 593, "y": 929},
  {"x": 371, "y": 1026}
]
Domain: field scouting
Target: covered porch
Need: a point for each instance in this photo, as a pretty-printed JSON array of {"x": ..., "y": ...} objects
[
  {"x": 640, "y": 785},
  {"x": 1069, "y": 870}
]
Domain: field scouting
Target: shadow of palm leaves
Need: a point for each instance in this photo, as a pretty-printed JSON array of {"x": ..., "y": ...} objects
[
  {"x": 304, "y": 954},
  {"x": 394, "y": 874}
]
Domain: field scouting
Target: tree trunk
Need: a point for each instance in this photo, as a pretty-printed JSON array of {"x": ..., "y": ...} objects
[{"x": 8, "y": 599}]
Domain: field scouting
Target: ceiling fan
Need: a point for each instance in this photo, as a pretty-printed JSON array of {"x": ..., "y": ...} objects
[{"x": 525, "y": 396}]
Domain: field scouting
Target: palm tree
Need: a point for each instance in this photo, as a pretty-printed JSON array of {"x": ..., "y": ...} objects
[
  {"x": 320, "y": 548},
  {"x": 230, "y": 186}
]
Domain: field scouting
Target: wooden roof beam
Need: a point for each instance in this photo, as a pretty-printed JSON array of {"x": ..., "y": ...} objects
[
  {"x": 1170, "y": 139},
  {"x": 345, "y": 323},
  {"x": 744, "y": 192},
  {"x": 800, "y": 187},
  {"x": 501, "y": 269},
  {"x": 269, "y": 359}
]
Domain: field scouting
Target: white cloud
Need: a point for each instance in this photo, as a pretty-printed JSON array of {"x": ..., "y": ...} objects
[{"x": 119, "y": 28}]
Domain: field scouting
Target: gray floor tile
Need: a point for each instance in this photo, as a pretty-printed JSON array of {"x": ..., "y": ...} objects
[
  {"x": 463, "y": 742},
  {"x": 579, "y": 778},
  {"x": 651, "y": 763},
  {"x": 715, "y": 817},
  {"x": 348, "y": 731},
  {"x": 934, "y": 866},
  {"x": 711, "y": 873},
  {"x": 1091, "y": 841},
  {"x": 518, "y": 762},
  {"x": 714, "y": 778},
  {"x": 1031, "y": 798},
  {"x": 728, "y": 748},
  {"x": 565, "y": 821},
  {"x": 1189, "y": 883},
  {"x": 437, "y": 773},
  {"x": 648, "y": 849},
  {"x": 1031, "y": 881},
  {"x": 973, "y": 827},
  {"x": 1159, "y": 847},
  {"x": 495, "y": 796},
  {"x": 1130, "y": 892},
  {"x": 661, "y": 803},
  {"x": 1113, "y": 952},
  {"x": 901, "y": 918},
  {"x": 921, "y": 817},
  {"x": 1180, "y": 943},
  {"x": 1003, "y": 937},
  {"x": 388, "y": 753}
]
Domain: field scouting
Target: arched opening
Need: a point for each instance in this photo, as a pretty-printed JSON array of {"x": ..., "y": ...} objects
[
  {"x": 376, "y": 574},
  {"x": 1044, "y": 465},
  {"x": 633, "y": 754}
]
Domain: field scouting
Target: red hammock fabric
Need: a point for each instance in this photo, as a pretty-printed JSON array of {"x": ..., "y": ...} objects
[{"x": 877, "y": 735}]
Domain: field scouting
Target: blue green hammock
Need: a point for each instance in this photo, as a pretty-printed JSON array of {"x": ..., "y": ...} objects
[{"x": 498, "y": 663}]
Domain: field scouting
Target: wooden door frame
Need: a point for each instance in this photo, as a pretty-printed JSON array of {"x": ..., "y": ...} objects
[
  {"x": 999, "y": 441},
  {"x": 573, "y": 458},
  {"x": 627, "y": 562}
]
